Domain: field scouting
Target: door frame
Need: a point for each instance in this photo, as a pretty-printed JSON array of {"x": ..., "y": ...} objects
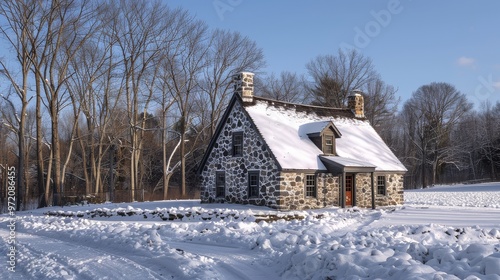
[
  {"x": 343, "y": 192},
  {"x": 349, "y": 195}
]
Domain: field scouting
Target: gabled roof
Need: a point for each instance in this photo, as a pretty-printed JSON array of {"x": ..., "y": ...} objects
[
  {"x": 285, "y": 129},
  {"x": 235, "y": 99}
]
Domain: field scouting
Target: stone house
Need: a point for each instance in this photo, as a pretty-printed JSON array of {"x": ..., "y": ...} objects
[{"x": 292, "y": 156}]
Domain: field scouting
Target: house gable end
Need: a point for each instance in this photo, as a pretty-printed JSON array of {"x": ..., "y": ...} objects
[
  {"x": 332, "y": 128},
  {"x": 239, "y": 150},
  {"x": 236, "y": 99}
]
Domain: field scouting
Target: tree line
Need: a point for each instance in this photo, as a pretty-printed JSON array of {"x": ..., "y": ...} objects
[
  {"x": 110, "y": 95},
  {"x": 107, "y": 98},
  {"x": 436, "y": 133}
]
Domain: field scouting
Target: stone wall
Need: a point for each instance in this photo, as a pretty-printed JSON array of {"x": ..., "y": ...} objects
[
  {"x": 256, "y": 157},
  {"x": 394, "y": 194},
  {"x": 363, "y": 190},
  {"x": 394, "y": 190},
  {"x": 292, "y": 191}
]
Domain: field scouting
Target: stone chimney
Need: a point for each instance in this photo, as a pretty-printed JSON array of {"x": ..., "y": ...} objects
[
  {"x": 243, "y": 85},
  {"x": 356, "y": 103}
]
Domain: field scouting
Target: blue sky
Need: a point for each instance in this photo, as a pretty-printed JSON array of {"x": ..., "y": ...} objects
[{"x": 411, "y": 43}]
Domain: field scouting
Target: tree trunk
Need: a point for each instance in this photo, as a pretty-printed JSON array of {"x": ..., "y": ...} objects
[
  {"x": 49, "y": 193},
  {"x": 434, "y": 171},
  {"x": 96, "y": 167},
  {"x": 59, "y": 188},
  {"x": 84, "y": 163},
  {"x": 164, "y": 158},
  {"x": 68, "y": 156},
  {"x": 183, "y": 129},
  {"x": 21, "y": 159},
  {"x": 39, "y": 146},
  {"x": 493, "y": 175},
  {"x": 132, "y": 166},
  {"x": 183, "y": 166},
  {"x": 424, "y": 155}
]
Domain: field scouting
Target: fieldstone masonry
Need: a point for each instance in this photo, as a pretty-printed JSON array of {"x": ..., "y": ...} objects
[
  {"x": 394, "y": 190},
  {"x": 293, "y": 196},
  {"x": 256, "y": 157},
  {"x": 356, "y": 103},
  {"x": 243, "y": 85},
  {"x": 394, "y": 187}
]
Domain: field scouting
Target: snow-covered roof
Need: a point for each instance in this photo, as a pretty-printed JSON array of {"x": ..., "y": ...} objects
[{"x": 285, "y": 130}]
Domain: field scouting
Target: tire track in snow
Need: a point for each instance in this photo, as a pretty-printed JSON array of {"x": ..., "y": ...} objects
[{"x": 46, "y": 257}]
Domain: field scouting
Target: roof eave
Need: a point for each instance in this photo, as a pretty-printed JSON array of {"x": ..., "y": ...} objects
[{"x": 338, "y": 168}]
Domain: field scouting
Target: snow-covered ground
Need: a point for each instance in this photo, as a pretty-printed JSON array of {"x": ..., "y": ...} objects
[{"x": 446, "y": 232}]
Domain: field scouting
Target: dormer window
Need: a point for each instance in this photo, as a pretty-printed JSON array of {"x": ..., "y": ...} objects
[
  {"x": 323, "y": 135},
  {"x": 329, "y": 144}
]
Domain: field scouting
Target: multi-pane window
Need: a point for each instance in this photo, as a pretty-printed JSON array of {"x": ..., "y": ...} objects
[
  {"x": 253, "y": 183},
  {"x": 381, "y": 190},
  {"x": 238, "y": 143},
  {"x": 348, "y": 183},
  {"x": 328, "y": 147},
  {"x": 220, "y": 184},
  {"x": 310, "y": 186}
]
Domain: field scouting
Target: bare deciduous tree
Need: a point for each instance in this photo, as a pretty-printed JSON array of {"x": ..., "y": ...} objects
[
  {"x": 431, "y": 114},
  {"x": 18, "y": 17},
  {"x": 288, "y": 87},
  {"x": 340, "y": 74},
  {"x": 139, "y": 31},
  {"x": 69, "y": 25},
  {"x": 184, "y": 65},
  {"x": 95, "y": 93},
  {"x": 488, "y": 137},
  {"x": 229, "y": 52},
  {"x": 381, "y": 102}
]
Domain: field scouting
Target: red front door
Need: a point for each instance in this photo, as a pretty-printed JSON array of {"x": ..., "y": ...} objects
[{"x": 348, "y": 190}]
